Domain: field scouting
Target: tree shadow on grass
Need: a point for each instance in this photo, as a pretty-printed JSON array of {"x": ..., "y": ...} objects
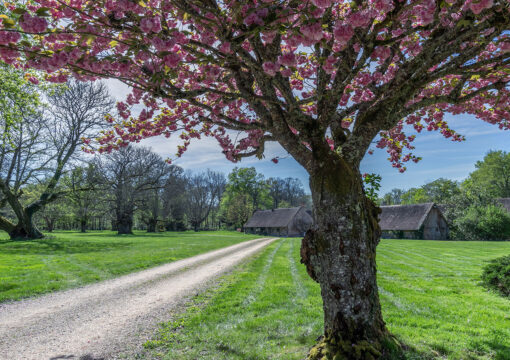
[
  {"x": 54, "y": 246},
  {"x": 482, "y": 347}
]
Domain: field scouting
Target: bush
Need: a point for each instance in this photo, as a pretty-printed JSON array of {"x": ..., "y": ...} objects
[
  {"x": 496, "y": 275},
  {"x": 491, "y": 222}
]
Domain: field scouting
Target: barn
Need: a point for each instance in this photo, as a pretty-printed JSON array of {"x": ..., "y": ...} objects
[
  {"x": 279, "y": 222},
  {"x": 418, "y": 221}
]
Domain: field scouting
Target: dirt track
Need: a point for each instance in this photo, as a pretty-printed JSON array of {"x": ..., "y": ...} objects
[{"x": 110, "y": 319}]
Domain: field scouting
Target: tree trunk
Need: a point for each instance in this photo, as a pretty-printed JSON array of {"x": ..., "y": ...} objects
[
  {"x": 339, "y": 253},
  {"x": 125, "y": 225},
  {"x": 83, "y": 225},
  {"x": 25, "y": 229},
  {"x": 151, "y": 225}
]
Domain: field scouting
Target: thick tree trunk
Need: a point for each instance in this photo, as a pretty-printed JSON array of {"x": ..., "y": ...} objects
[
  {"x": 339, "y": 253},
  {"x": 151, "y": 225},
  {"x": 83, "y": 226},
  {"x": 125, "y": 224},
  {"x": 25, "y": 229}
]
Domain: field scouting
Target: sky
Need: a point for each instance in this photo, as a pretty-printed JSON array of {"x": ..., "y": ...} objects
[{"x": 441, "y": 157}]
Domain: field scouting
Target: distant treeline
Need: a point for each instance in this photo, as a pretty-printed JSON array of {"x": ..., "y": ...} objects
[{"x": 47, "y": 182}]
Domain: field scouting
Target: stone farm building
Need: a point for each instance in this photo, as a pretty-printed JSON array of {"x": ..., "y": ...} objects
[
  {"x": 279, "y": 222},
  {"x": 419, "y": 221}
]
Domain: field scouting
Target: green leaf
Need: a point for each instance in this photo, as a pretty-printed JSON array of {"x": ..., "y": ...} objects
[
  {"x": 19, "y": 11},
  {"x": 8, "y": 23},
  {"x": 43, "y": 11}
]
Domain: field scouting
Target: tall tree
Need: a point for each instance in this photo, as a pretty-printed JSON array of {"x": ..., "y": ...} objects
[
  {"x": 129, "y": 174},
  {"x": 82, "y": 184},
  {"x": 152, "y": 205},
  {"x": 42, "y": 144},
  {"x": 203, "y": 193},
  {"x": 174, "y": 200},
  {"x": 248, "y": 181},
  {"x": 492, "y": 174},
  {"x": 394, "y": 197},
  {"x": 323, "y": 78}
]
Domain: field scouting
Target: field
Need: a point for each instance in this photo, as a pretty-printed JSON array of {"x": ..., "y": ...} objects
[
  {"x": 270, "y": 309},
  {"x": 69, "y": 259}
]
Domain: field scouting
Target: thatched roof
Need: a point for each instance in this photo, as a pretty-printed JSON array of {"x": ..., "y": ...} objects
[
  {"x": 505, "y": 202},
  {"x": 404, "y": 217},
  {"x": 272, "y": 218}
]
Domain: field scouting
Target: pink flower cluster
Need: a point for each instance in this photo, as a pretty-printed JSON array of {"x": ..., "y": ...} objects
[
  {"x": 477, "y": 6},
  {"x": 7, "y": 37},
  {"x": 151, "y": 24},
  {"x": 33, "y": 24}
]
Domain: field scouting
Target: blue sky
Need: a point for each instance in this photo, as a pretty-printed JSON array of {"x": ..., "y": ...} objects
[{"x": 441, "y": 157}]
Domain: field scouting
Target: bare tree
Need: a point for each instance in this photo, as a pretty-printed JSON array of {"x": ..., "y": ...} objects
[
  {"x": 203, "y": 193},
  {"x": 129, "y": 174},
  {"x": 152, "y": 204},
  {"x": 43, "y": 144}
]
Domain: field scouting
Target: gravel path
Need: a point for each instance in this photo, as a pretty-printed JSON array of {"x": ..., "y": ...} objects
[{"x": 111, "y": 319}]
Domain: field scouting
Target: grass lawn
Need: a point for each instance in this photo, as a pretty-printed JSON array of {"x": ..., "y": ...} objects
[
  {"x": 270, "y": 309},
  {"x": 69, "y": 259}
]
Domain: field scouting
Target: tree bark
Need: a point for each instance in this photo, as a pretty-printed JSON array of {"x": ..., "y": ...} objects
[
  {"x": 83, "y": 225},
  {"x": 339, "y": 253},
  {"x": 151, "y": 225},
  {"x": 25, "y": 229},
  {"x": 125, "y": 224}
]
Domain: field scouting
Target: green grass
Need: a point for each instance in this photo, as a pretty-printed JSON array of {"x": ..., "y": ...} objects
[
  {"x": 69, "y": 259},
  {"x": 270, "y": 309}
]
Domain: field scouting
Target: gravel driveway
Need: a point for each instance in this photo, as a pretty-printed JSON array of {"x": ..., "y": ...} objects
[{"x": 111, "y": 319}]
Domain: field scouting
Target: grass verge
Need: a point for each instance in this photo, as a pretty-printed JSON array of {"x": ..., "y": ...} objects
[
  {"x": 69, "y": 259},
  {"x": 270, "y": 309}
]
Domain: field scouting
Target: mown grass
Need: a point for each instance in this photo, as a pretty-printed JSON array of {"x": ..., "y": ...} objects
[
  {"x": 69, "y": 259},
  {"x": 270, "y": 309}
]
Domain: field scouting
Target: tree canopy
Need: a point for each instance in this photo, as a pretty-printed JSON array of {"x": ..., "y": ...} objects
[{"x": 311, "y": 75}]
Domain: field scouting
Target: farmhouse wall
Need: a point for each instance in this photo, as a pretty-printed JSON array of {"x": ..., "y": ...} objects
[{"x": 435, "y": 226}]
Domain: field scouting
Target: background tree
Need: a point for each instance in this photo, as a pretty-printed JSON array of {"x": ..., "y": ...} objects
[
  {"x": 323, "y": 78},
  {"x": 203, "y": 193},
  {"x": 248, "y": 181},
  {"x": 43, "y": 143},
  {"x": 129, "y": 174},
  {"x": 174, "y": 200},
  {"x": 82, "y": 184},
  {"x": 394, "y": 197},
  {"x": 492, "y": 174},
  {"x": 152, "y": 204}
]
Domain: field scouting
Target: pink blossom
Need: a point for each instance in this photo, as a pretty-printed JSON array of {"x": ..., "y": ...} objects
[
  {"x": 381, "y": 52},
  {"x": 33, "y": 80},
  {"x": 148, "y": 24},
  {"x": 359, "y": 19},
  {"x": 312, "y": 32},
  {"x": 7, "y": 37},
  {"x": 478, "y": 6},
  {"x": 343, "y": 33},
  {"x": 33, "y": 24},
  {"x": 287, "y": 59},
  {"x": 172, "y": 60},
  {"x": 322, "y": 3},
  {"x": 270, "y": 68},
  {"x": 286, "y": 72}
]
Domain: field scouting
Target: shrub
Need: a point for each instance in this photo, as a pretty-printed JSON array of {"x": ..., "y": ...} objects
[
  {"x": 496, "y": 275},
  {"x": 491, "y": 222}
]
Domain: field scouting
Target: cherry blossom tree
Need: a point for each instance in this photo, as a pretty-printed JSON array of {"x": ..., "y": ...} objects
[{"x": 322, "y": 78}]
